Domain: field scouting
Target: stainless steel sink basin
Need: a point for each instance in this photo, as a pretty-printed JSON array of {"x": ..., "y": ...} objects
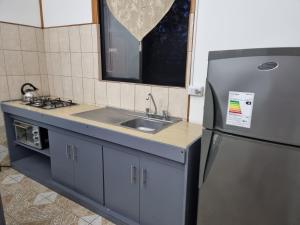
[
  {"x": 146, "y": 125},
  {"x": 138, "y": 121}
]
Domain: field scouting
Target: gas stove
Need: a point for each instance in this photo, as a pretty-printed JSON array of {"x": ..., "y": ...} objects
[{"x": 49, "y": 103}]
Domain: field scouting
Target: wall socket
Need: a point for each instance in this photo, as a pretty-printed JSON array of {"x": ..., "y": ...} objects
[{"x": 196, "y": 91}]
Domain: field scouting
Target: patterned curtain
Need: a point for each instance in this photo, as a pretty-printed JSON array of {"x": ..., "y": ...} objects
[{"x": 139, "y": 16}]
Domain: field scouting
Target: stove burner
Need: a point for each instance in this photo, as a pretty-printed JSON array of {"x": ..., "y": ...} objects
[{"x": 50, "y": 103}]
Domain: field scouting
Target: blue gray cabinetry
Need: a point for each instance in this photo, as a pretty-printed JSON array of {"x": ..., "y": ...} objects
[
  {"x": 129, "y": 180},
  {"x": 161, "y": 192},
  {"x": 121, "y": 182},
  {"x": 77, "y": 163},
  {"x": 144, "y": 188}
]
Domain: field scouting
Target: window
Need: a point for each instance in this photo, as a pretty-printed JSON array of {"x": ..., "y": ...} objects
[{"x": 161, "y": 57}]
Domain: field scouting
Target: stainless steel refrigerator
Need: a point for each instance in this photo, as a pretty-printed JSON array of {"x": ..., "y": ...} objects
[{"x": 250, "y": 154}]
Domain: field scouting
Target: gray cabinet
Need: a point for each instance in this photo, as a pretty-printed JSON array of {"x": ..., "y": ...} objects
[
  {"x": 77, "y": 163},
  {"x": 121, "y": 174},
  {"x": 62, "y": 167},
  {"x": 145, "y": 189},
  {"x": 161, "y": 193}
]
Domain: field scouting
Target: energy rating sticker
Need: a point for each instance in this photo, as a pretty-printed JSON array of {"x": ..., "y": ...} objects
[
  {"x": 240, "y": 107},
  {"x": 235, "y": 107}
]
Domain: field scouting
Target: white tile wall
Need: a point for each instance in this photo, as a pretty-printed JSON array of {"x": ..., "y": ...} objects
[
  {"x": 127, "y": 96},
  {"x": 80, "y": 56},
  {"x": 28, "y": 38},
  {"x": 64, "y": 62},
  {"x": 22, "y": 59},
  {"x": 10, "y": 37}
]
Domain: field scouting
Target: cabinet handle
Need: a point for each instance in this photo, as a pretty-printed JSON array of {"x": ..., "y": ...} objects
[
  {"x": 132, "y": 174},
  {"x": 67, "y": 151},
  {"x": 144, "y": 177},
  {"x": 74, "y": 151}
]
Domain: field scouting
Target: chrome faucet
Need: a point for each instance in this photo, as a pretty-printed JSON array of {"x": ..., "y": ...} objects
[{"x": 150, "y": 97}]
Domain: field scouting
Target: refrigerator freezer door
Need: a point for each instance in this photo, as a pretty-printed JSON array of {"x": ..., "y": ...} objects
[
  {"x": 275, "y": 109},
  {"x": 247, "y": 182}
]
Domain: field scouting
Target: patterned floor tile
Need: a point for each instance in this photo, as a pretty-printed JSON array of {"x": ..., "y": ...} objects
[
  {"x": 29, "y": 203},
  {"x": 90, "y": 218},
  {"x": 65, "y": 218},
  {"x": 73, "y": 207},
  {"x": 45, "y": 198},
  {"x": 82, "y": 222},
  {"x": 13, "y": 179},
  {"x": 29, "y": 184},
  {"x": 97, "y": 221},
  {"x": 10, "y": 221}
]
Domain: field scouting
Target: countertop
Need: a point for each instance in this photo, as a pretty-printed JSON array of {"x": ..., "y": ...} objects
[{"x": 181, "y": 134}]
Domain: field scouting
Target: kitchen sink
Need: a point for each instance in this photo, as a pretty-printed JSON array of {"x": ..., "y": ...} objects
[
  {"x": 138, "y": 121},
  {"x": 146, "y": 125}
]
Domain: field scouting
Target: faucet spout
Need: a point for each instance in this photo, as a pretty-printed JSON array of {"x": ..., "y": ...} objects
[{"x": 150, "y": 97}]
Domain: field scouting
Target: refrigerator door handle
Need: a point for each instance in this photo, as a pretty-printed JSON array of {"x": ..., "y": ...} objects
[
  {"x": 209, "y": 107},
  {"x": 209, "y": 150}
]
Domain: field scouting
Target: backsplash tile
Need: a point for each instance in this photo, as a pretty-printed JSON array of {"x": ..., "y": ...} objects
[
  {"x": 76, "y": 64},
  {"x": 141, "y": 93},
  {"x": 87, "y": 65},
  {"x": 2, "y": 64},
  {"x": 74, "y": 36},
  {"x": 77, "y": 89},
  {"x": 31, "y": 63},
  {"x": 127, "y": 96},
  {"x": 39, "y": 33},
  {"x": 100, "y": 93},
  {"x": 67, "y": 88},
  {"x": 14, "y": 85},
  {"x": 13, "y": 62},
  {"x": 161, "y": 97},
  {"x": 86, "y": 38},
  {"x": 58, "y": 86},
  {"x": 10, "y": 37},
  {"x": 35, "y": 80},
  {"x": 114, "y": 94},
  {"x": 68, "y": 65},
  {"x": 4, "y": 92},
  {"x": 28, "y": 38},
  {"x": 88, "y": 91},
  {"x": 53, "y": 40},
  {"x": 177, "y": 98},
  {"x": 82, "y": 61},
  {"x": 64, "y": 41}
]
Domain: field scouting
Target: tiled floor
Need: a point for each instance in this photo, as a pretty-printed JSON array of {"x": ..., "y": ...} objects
[{"x": 27, "y": 202}]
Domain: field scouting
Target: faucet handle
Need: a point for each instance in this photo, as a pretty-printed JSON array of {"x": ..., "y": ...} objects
[
  {"x": 147, "y": 111},
  {"x": 165, "y": 114}
]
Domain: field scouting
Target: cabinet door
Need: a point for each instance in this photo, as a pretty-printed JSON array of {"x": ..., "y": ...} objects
[
  {"x": 161, "y": 193},
  {"x": 121, "y": 182},
  {"x": 88, "y": 169},
  {"x": 61, "y": 162}
]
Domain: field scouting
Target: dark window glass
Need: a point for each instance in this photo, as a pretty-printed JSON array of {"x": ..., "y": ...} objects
[
  {"x": 121, "y": 49},
  {"x": 164, "y": 50}
]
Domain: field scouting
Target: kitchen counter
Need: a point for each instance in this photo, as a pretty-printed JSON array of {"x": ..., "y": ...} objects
[
  {"x": 181, "y": 134},
  {"x": 86, "y": 157}
]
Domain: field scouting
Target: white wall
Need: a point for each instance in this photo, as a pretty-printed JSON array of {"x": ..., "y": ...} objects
[
  {"x": 66, "y": 12},
  {"x": 236, "y": 24},
  {"x": 25, "y": 12}
]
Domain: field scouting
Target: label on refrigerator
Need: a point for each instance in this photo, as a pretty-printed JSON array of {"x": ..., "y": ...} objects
[{"x": 239, "y": 111}]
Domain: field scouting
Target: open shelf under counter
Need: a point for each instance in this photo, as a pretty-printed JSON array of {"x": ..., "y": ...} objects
[
  {"x": 36, "y": 167},
  {"x": 45, "y": 151}
]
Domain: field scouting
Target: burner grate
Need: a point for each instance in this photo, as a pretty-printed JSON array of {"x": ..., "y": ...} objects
[{"x": 50, "y": 103}]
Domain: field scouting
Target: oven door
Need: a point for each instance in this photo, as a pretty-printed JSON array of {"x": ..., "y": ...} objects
[{"x": 24, "y": 133}]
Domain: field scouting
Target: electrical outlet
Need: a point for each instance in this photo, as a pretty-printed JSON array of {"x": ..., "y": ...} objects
[{"x": 196, "y": 91}]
